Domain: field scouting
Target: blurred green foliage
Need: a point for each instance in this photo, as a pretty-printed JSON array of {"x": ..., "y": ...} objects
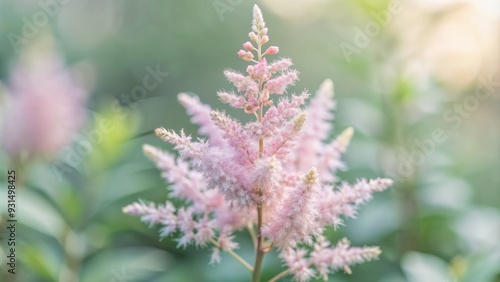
[{"x": 440, "y": 223}]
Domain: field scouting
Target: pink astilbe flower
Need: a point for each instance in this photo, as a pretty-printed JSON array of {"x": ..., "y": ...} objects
[
  {"x": 232, "y": 99},
  {"x": 186, "y": 184},
  {"x": 298, "y": 264},
  {"x": 236, "y": 137},
  {"x": 200, "y": 115},
  {"x": 275, "y": 175},
  {"x": 310, "y": 145},
  {"x": 45, "y": 106},
  {"x": 346, "y": 199},
  {"x": 154, "y": 215},
  {"x": 267, "y": 174},
  {"x": 279, "y": 84},
  {"x": 327, "y": 259},
  {"x": 296, "y": 220},
  {"x": 329, "y": 160},
  {"x": 207, "y": 213}
]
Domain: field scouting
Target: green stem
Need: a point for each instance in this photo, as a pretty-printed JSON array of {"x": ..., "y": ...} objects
[
  {"x": 259, "y": 252},
  {"x": 235, "y": 255},
  {"x": 280, "y": 275},
  {"x": 252, "y": 235},
  {"x": 73, "y": 261}
]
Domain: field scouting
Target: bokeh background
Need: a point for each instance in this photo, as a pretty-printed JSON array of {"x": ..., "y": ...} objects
[{"x": 418, "y": 81}]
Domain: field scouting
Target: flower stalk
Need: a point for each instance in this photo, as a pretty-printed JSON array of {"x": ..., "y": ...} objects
[{"x": 259, "y": 252}]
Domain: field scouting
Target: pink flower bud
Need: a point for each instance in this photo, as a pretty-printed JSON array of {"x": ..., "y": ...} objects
[
  {"x": 264, "y": 39},
  {"x": 248, "y": 46},
  {"x": 245, "y": 55},
  {"x": 272, "y": 50},
  {"x": 253, "y": 36}
]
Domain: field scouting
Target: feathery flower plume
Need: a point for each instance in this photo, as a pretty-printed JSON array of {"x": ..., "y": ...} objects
[
  {"x": 274, "y": 175},
  {"x": 296, "y": 220},
  {"x": 200, "y": 115}
]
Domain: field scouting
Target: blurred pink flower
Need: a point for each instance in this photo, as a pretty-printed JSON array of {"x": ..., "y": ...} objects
[
  {"x": 274, "y": 175},
  {"x": 45, "y": 107}
]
